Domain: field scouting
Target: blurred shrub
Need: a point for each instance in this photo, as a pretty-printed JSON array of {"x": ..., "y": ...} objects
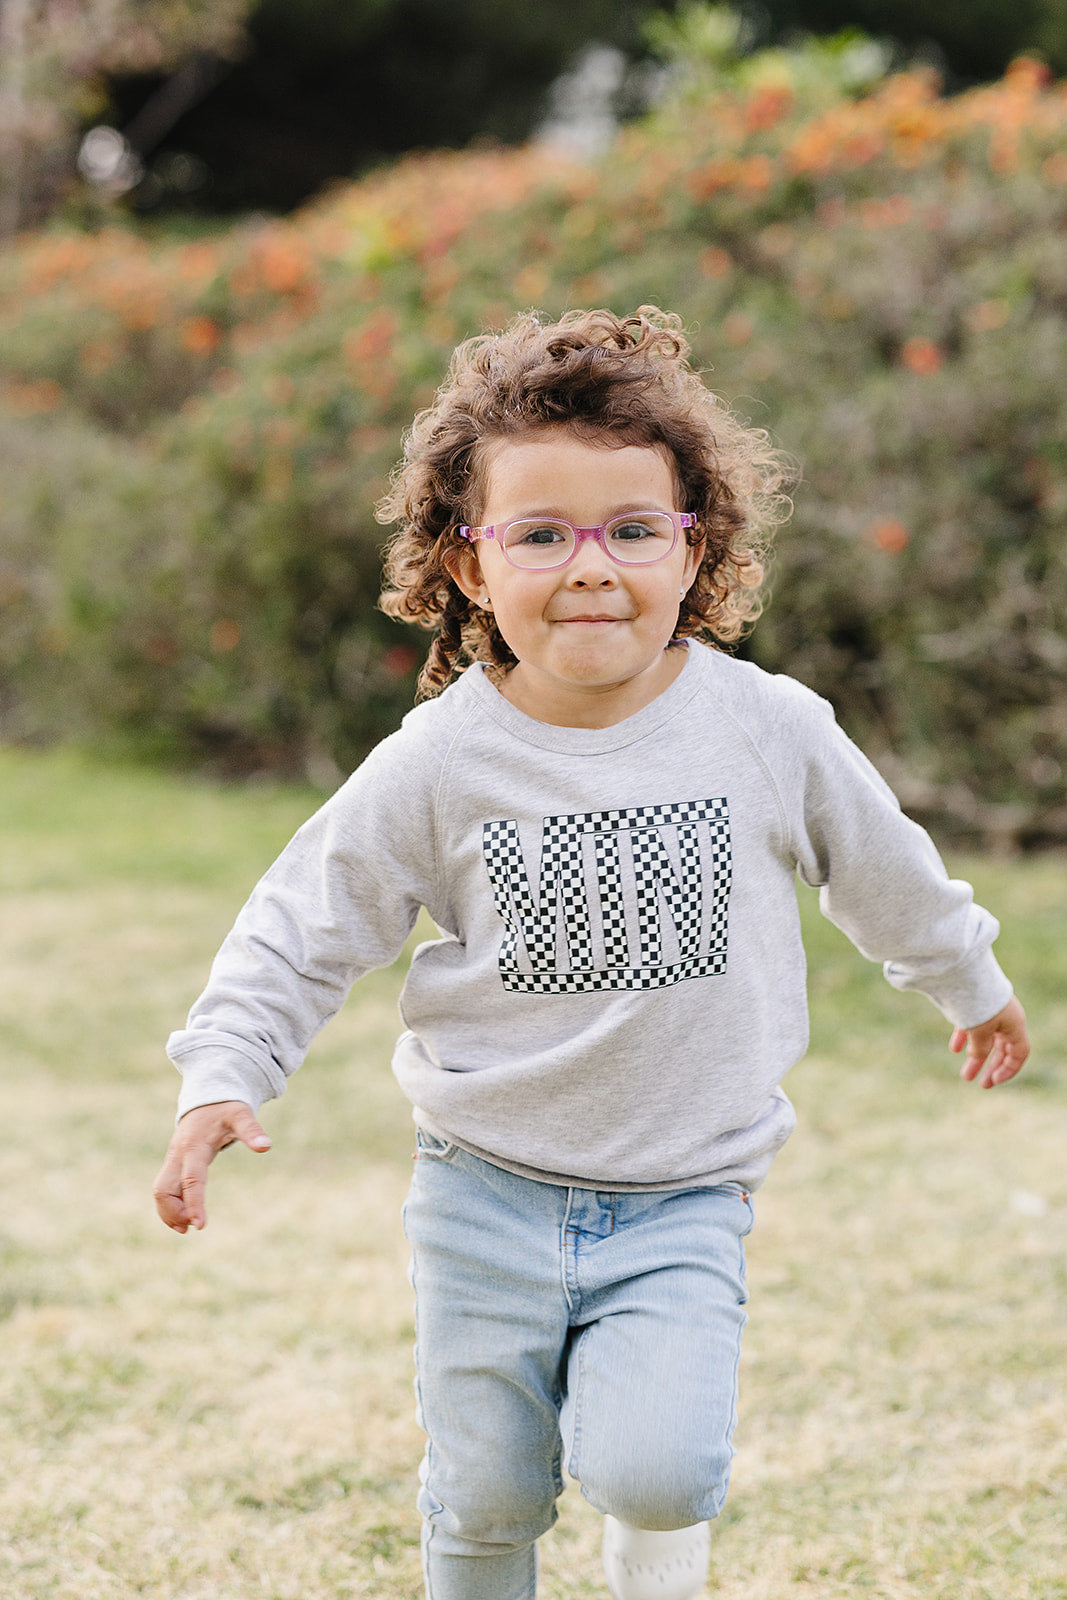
[{"x": 196, "y": 432}]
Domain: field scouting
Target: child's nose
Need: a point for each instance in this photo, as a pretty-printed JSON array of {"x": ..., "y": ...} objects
[{"x": 591, "y": 565}]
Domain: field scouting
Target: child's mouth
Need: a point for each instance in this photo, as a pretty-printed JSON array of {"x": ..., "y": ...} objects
[{"x": 590, "y": 621}]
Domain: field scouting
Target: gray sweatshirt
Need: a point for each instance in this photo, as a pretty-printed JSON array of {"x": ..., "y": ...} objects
[{"x": 619, "y": 983}]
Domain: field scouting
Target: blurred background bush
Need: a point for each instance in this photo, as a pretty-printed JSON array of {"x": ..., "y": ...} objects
[{"x": 200, "y": 402}]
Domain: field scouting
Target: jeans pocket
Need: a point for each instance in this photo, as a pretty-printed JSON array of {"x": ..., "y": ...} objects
[{"x": 428, "y": 1147}]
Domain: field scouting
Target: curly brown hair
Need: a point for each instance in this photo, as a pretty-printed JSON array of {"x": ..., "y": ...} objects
[{"x": 627, "y": 378}]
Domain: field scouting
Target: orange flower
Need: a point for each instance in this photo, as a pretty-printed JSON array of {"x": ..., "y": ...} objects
[
  {"x": 225, "y": 636},
  {"x": 284, "y": 264},
  {"x": 916, "y": 124},
  {"x": 717, "y": 174},
  {"x": 810, "y": 151},
  {"x": 862, "y": 147},
  {"x": 399, "y": 660},
  {"x": 922, "y": 356},
  {"x": 888, "y": 213},
  {"x": 715, "y": 263},
  {"x": 200, "y": 335},
  {"x": 373, "y": 339},
  {"x": 755, "y": 174},
  {"x": 737, "y": 328},
  {"x": 889, "y": 535},
  {"x": 197, "y": 262},
  {"x": 140, "y": 312},
  {"x": 59, "y": 258},
  {"x": 767, "y": 106},
  {"x": 32, "y": 399},
  {"x": 243, "y": 279},
  {"x": 1027, "y": 74}
]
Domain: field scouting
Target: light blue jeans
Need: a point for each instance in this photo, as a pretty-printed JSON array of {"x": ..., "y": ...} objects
[{"x": 553, "y": 1324}]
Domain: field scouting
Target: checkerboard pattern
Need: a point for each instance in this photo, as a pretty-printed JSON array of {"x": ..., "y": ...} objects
[
  {"x": 564, "y": 897},
  {"x": 655, "y": 876},
  {"x": 612, "y": 909}
]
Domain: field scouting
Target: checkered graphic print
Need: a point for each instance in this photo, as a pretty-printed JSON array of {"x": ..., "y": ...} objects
[
  {"x": 562, "y": 879},
  {"x": 655, "y": 876},
  {"x": 612, "y": 909},
  {"x": 696, "y": 899}
]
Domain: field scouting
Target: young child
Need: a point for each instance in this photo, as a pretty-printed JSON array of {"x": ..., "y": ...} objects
[{"x": 604, "y": 815}]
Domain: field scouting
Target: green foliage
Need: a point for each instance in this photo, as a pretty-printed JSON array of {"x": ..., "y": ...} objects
[
  {"x": 196, "y": 432},
  {"x": 708, "y": 49},
  {"x": 976, "y": 38},
  {"x": 697, "y": 37}
]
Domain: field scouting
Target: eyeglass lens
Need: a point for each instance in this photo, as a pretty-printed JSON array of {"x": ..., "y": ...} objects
[{"x": 633, "y": 541}]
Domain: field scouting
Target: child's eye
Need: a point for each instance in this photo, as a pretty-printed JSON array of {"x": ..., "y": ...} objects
[
  {"x": 636, "y": 529},
  {"x": 537, "y": 535}
]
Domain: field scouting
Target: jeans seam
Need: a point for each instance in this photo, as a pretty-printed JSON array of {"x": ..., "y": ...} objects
[
  {"x": 564, "y": 1231},
  {"x": 720, "y": 1499},
  {"x": 579, "y": 1389}
]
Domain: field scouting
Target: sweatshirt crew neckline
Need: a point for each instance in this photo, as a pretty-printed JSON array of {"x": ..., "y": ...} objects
[{"x": 585, "y": 741}]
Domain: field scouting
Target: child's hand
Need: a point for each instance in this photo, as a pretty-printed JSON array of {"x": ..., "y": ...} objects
[
  {"x": 1001, "y": 1044},
  {"x": 198, "y": 1138}
]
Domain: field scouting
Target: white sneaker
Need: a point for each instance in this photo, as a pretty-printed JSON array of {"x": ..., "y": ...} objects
[{"x": 641, "y": 1564}]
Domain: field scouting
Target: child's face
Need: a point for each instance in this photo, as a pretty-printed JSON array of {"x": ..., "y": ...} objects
[{"x": 590, "y": 638}]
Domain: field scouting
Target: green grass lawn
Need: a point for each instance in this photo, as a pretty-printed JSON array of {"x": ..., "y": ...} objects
[{"x": 229, "y": 1415}]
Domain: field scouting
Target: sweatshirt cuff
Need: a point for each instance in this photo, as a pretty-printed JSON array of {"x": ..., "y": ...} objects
[
  {"x": 967, "y": 995},
  {"x": 208, "y": 1077}
]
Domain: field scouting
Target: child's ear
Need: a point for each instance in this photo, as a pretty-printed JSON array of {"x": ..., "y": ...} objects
[{"x": 465, "y": 571}]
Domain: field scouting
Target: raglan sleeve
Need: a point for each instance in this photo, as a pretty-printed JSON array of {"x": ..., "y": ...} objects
[
  {"x": 339, "y": 901},
  {"x": 881, "y": 880}
]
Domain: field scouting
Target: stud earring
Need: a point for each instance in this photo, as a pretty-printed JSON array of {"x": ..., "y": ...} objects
[{"x": 681, "y": 594}]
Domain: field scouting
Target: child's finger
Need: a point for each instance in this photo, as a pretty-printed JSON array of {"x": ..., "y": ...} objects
[
  {"x": 194, "y": 1191},
  {"x": 168, "y": 1193},
  {"x": 249, "y": 1131},
  {"x": 1000, "y": 1045},
  {"x": 181, "y": 1187},
  {"x": 1010, "y": 1060},
  {"x": 993, "y": 1064},
  {"x": 978, "y": 1048}
]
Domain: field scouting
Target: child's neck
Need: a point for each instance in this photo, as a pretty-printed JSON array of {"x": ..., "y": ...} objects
[{"x": 575, "y": 705}]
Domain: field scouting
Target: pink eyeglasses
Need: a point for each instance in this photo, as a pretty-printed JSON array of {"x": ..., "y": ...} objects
[{"x": 636, "y": 539}]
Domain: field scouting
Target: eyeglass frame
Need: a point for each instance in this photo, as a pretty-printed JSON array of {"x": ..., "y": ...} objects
[{"x": 680, "y": 521}]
